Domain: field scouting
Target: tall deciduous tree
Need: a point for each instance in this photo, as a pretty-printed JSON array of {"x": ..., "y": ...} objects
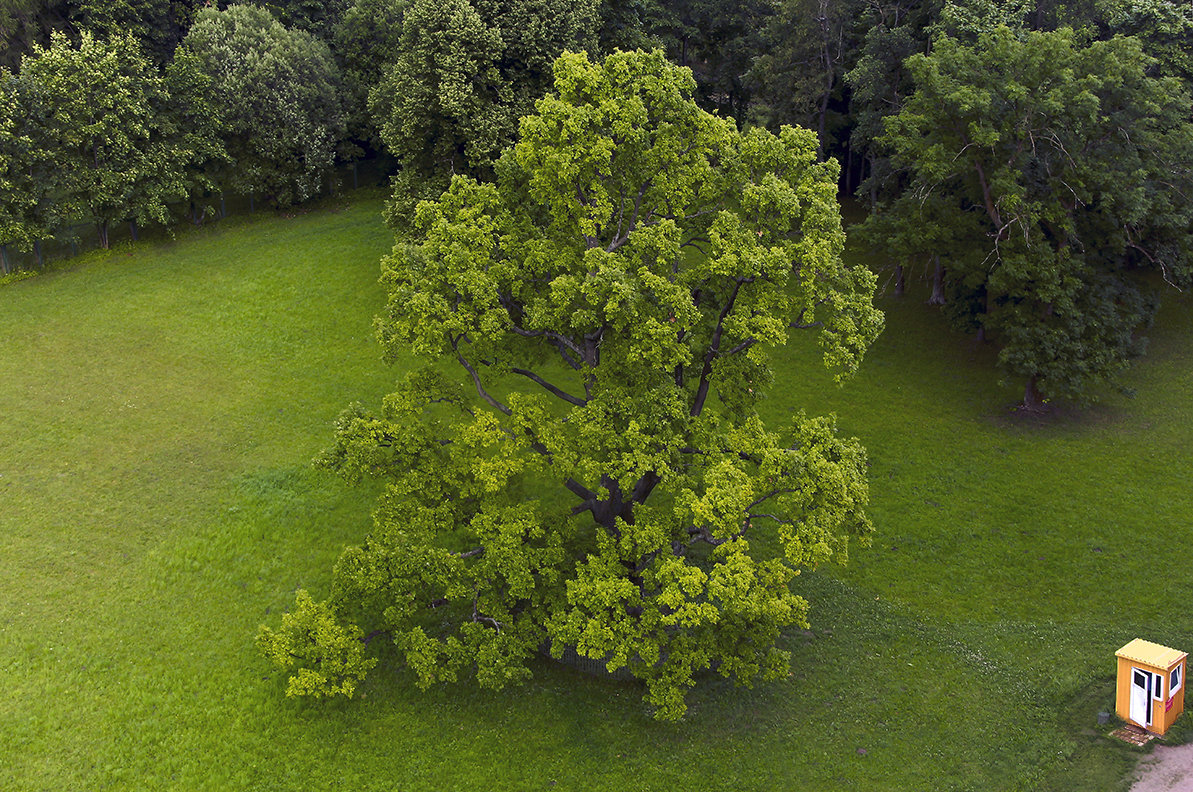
[
  {"x": 718, "y": 40},
  {"x": 280, "y": 101},
  {"x": 17, "y": 198},
  {"x": 157, "y": 25},
  {"x": 1063, "y": 171},
  {"x": 196, "y": 128},
  {"x": 608, "y": 485},
  {"x": 808, "y": 47},
  {"x": 466, "y": 71},
  {"x": 317, "y": 17},
  {"x": 96, "y": 110},
  {"x": 366, "y": 44}
]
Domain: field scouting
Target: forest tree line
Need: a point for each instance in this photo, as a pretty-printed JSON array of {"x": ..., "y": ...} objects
[{"x": 1032, "y": 159}]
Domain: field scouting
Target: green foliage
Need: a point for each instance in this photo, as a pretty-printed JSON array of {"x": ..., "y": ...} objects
[
  {"x": 107, "y": 158},
  {"x": 157, "y": 25},
  {"x": 16, "y": 194},
  {"x": 628, "y": 24},
  {"x": 465, "y": 72},
  {"x": 279, "y": 96},
  {"x": 367, "y": 38},
  {"x": 879, "y": 81},
  {"x": 719, "y": 41},
  {"x": 1048, "y": 174},
  {"x": 807, "y": 47},
  {"x": 365, "y": 42},
  {"x": 636, "y": 260},
  {"x": 196, "y": 127},
  {"x": 26, "y": 23},
  {"x": 317, "y": 17},
  {"x": 334, "y": 660}
]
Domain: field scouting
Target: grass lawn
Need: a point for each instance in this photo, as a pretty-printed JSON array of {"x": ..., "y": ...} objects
[{"x": 161, "y": 404}]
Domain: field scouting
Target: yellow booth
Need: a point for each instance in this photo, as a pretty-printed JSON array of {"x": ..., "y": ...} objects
[{"x": 1151, "y": 685}]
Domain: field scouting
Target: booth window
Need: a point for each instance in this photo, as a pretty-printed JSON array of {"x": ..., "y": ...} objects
[
  {"x": 1157, "y": 687},
  {"x": 1176, "y": 680}
]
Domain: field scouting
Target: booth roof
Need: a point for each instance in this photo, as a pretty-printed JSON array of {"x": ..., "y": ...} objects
[{"x": 1152, "y": 654}]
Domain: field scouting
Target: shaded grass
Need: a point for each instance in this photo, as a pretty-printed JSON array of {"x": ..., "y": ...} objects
[{"x": 161, "y": 404}]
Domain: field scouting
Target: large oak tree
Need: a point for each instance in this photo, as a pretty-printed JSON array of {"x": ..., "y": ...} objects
[{"x": 597, "y": 476}]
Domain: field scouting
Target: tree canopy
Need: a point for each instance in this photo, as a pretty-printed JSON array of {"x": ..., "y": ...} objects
[
  {"x": 110, "y": 158},
  {"x": 280, "y": 99},
  {"x": 1059, "y": 171},
  {"x": 600, "y": 479},
  {"x": 465, "y": 72}
]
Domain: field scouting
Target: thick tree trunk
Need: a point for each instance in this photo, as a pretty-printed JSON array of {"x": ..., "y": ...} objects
[
  {"x": 37, "y": 253},
  {"x": 1032, "y": 400},
  {"x": 900, "y": 286},
  {"x": 103, "y": 234},
  {"x": 937, "y": 297},
  {"x": 981, "y": 335},
  {"x": 132, "y": 229}
]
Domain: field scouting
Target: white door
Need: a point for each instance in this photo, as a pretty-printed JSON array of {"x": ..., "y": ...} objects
[{"x": 1141, "y": 699}]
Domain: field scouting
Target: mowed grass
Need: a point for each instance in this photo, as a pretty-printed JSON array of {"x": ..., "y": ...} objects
[{"x": 161, "y": 405}]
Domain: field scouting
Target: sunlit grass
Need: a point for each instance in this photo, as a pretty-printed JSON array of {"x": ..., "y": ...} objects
[{"x": 161, "y": 404}]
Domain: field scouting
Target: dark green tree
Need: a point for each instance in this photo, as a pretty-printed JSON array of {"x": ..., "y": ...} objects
[
  {"x": 317, "y": 17},
  {"x": 608, "y": 484},
  {"x": 157, "y": 25},
  {"x": 96, "y": 109},
  {"x": 718, "y": 41},
  {"x": 629, "y": 24},
  {"x": 279, "y": 99},
  {"x": 17, "y": 198},
  {"x": 367, "y": 38},
  {"x": 26, "y": 23},
  {"x": 1058, "y": 173},
  {"x": 196, "y": 128},
  {"x": 807, "y": 48},
  {"x": 466, "y": 71}
]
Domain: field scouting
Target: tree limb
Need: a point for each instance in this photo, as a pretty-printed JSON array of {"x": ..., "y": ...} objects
[
  {"x": 713, "y": 349},
  {"x": 476, "y": 379},
  {"x": 567, "y": 397}
]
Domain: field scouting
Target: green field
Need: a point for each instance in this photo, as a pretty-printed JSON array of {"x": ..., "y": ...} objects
[{"x": 161, "y": 405}]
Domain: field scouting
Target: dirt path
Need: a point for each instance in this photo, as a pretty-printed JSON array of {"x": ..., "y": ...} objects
[{"x": 1166, "y": 770}]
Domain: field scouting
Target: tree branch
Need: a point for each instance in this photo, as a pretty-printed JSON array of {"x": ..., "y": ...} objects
[
  {"x": 561, "y": 340},
  {"x": 567, "y": 397},
  {"x": 743, "y": 345},
  {"x": 768, "y": 496},
  {"x": 580, "y": 490},
  {"x": 771, "y": 516},
  {"x": 713, "y": 349},
  {"x": 476, "y": 379}
]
